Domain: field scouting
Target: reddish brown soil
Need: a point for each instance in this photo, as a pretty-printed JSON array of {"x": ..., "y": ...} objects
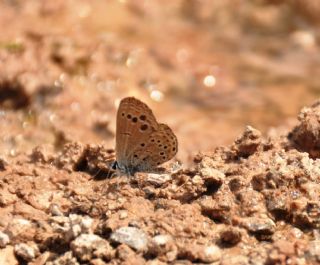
[
  {"x": 256, "y": 202},
  {"x": 64, "y": 66}
]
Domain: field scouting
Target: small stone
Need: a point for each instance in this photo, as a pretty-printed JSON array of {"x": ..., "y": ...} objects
[
  {"x": 212, "y": 176},
  {"x": 26, "y": 251},
  {"x": 314, "y": 249},
  {"x": 88, "y": 246},
  {"x": 235, "y": 260},
  {"x": 55, "y": 210},
  {"x": 66, "y": 259},
  {"x": 163, "y": 246},
  {"x": 306, "y": 136},
  {"x": 4, "y": 239},
  {"x": 206, "y": 254},
  {"x": 262, "y": 226},
  {"x": 248, "y": 143},
  {"x": 211, "y": 253},
  {"x": 158, "y": 179},
  {"x": 230, "y": 236},
  {"x": 161, "y": 240},
  {"x": 123, "y": 215},
  {"x": 132, "y": 236},
  {"x": 97, "y": 262},
  {"x": 72, "y": 226},
  {"x": 20, "y": 227}
]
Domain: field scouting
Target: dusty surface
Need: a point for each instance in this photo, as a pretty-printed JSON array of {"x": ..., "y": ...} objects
[
  {"x": 206, "y": 68},
  {"x": 255, "y": 202}
]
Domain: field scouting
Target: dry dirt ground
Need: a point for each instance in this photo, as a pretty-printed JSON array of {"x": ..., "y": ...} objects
[
  {"x": 63, "y": 67},
  {"x": 255, "y": 202}
]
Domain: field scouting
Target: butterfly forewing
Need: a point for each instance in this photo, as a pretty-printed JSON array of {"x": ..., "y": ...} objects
[{"x": 135, "y": 122}]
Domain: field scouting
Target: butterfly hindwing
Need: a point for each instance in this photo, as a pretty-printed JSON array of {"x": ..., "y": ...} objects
[{"x": 142, "y": 143}]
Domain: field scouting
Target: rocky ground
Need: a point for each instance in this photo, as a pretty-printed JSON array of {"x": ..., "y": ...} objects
[
  {"x": 255, "y": 202},
  {"x": 205, "y": 68}
]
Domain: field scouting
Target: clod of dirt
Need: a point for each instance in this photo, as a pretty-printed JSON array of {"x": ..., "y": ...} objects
[
  {"x": 259, "y": 226},
  {"x": 72, "y": 226},
  {"x": 132, "y": 236},
  {"x": 158, "y": 179},
  {"x": 93, "y": 159},
  {"x": 128, "y": 256},
  {"x": 89, "y": 246},
  {"x": 26, "y": 252},
  {"x": 7, "y": 256},
  {"x": 20, "y": 228},
  {"x": 4, "y": 239},
  {"x": 230, "y": 236},
  {"x": 66, "y": 259},
  {"x": 3, "y": 164},
  {"x": 13, "y": 95},
  {"x": 306, "y": 136},
  {"x": 248, "y": 143},
  {"x": 163, "y": 247},
  {"x": 199, "y": 253}
]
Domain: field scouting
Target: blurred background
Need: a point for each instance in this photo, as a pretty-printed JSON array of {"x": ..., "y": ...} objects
[{"x": 206, "y": 68}]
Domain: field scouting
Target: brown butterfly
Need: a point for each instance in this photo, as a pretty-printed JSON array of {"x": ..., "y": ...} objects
[{"x": 141, "y": 142}]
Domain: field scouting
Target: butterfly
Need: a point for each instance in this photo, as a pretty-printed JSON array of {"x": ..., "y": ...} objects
[{"x": 142, "y": 143}]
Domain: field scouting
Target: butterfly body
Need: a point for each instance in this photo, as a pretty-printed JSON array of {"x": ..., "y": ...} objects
[{"x": 141, "y": 142}]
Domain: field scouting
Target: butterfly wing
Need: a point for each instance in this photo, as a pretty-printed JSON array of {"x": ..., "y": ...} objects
[
  {"x": 160, "y": 146},
  {"x": 135, "y": 122}
]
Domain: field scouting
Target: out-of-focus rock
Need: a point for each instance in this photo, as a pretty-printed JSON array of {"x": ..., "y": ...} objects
[
  {"x": 20, "y": 228},
  {"x": 230, "y": 236},
  {"x": 66, "y": 259},
  {"x": 88, "y": 246},
  {"x": 26, "y": 252},
  {"x": 158, "y": 179},
  {"x": 4, "y": 239},
  {"x": 132, "y": 236},
  {"x": 258, "y": 225},
  {"x": 7, "y": 256},
  {"x": 248, "y": 143},
  {"x": 163, "y": 247},
  {"x": 206, "y": 254},
  {"x": 306, "y": 136},
  {"x": 72, "y": 226}
]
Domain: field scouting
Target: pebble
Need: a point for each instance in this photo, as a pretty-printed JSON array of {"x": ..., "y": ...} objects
[
  {"x": 26, "y": 252},
  {"x": 4, "y": 239},
  {"x": 132, "y": 236},
  {"x": 88, "y": 246},
  {"x": 200, "y": 253},
  {"x": 212, "y": 175},
  {"x": 264, "y": 226},
  {"x": 158, "y": 179},
  {"x": 66, "y": 259}
]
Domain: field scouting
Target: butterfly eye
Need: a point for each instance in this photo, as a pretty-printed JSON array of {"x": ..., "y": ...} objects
[
  {"x": 161, "y": 153},
  {"x": 135, "y": 119},
  {"x": 144, "y": 127},
  {"x": 122, "y": 114},
  {"x": 129, "y": 116},
  {"x": 173, "y": 149},
  {"x": 142, "y": 117},
  {"x": 165, "y": 147},
  {"x": 143, "y": 144}
]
